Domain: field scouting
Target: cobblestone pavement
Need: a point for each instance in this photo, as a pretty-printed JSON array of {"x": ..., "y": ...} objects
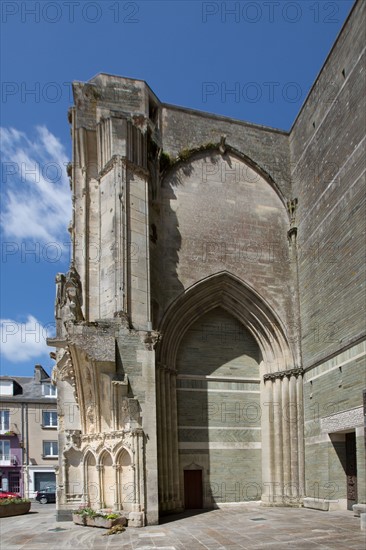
[{"x": 249, "y": 527}]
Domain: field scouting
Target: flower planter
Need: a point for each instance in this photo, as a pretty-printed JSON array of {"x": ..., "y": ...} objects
[
  {"x": 14, "y": 509},
  {"x": 98, "y": 521},
  {"x": 109, "y": 523},
  {"x": 78, "y": 519}
]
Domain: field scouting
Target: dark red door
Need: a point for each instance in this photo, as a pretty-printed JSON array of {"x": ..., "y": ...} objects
[
  {"x": 351, "y": 470},
  {"x": 193, "y": 489}
]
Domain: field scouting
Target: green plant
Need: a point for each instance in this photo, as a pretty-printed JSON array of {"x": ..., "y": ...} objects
[
  {"x": 86, "y": 512},
  {"x": 166, "y": 161},
  {"x": 13, "y": 500},
  {"x": 90, "y": 513},
  {"x": 114, "y": 530},
  {"x": 112, "y": 516}
]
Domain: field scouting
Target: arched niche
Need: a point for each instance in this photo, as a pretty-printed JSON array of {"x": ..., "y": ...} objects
[
  {"x": 108, "y": 481},
  {"x": 92, "y": 488},
  {"x": 126, "y": 485}
]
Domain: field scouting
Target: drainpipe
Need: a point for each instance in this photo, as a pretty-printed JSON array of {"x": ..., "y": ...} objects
[
  {"x": 22, "y": 447},
  {"x": 27, "y": 446}
]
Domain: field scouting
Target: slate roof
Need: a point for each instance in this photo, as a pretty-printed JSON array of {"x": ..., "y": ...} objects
[{"x": 28, "y": 389}]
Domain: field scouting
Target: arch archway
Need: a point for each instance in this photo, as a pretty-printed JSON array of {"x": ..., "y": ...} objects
[{"x": 225, "y": 297}]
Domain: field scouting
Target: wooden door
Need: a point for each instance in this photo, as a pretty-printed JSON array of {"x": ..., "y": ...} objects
[
  {"x": 351, "y": 470},
  {"x": 193, "y": 498}
]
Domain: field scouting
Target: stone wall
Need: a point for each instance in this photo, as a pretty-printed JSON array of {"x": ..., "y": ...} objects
[{"x": 327, "y": 157}]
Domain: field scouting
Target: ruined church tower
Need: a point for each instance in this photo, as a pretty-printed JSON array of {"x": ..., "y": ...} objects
[{"x": 187, "y": 360}]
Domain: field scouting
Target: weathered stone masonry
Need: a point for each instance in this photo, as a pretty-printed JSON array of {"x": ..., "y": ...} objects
[{"x": 211, "y": 329}]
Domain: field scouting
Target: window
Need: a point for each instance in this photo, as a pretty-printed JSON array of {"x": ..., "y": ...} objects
[
  {"x": 49, "y": 390},
  {"x": 4, "y": 421},
  {"x": 50, "y": 448},
  {"x": 4, "y": 452},
  {"x": 6, "y": 387},
  {"x": 49, "y": 419}
]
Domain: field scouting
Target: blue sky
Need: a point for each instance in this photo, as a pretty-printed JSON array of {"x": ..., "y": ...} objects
[{"x": 251, "y": 60}]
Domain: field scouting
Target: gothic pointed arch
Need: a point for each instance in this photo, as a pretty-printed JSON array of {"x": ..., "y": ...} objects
[
  {"x": 229, "y": 292},
  {"x": 225, "y": 150}
]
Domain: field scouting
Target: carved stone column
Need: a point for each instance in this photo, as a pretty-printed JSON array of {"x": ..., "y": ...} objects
[
  {"x": 177, "y": 502},
  {"x": 286, "y": 455},
  {"x": 100, "y": 501},
  {"x": 117, "y": 477},
  {"x": 300, "y": 433},
  {"x": 266, "y": 429},
  {"x": 164, "y": 443},
  {"x": 160, "y": 432},
  {"x": 64, "y": 478},
  {"x": 278, "y": 442},
  {"x": 293, "y": 489},
  {"x": 286, "y": 438},
  {"x": 169, "y": 441}
]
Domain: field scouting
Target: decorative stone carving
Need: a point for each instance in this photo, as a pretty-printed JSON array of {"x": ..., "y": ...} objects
[
  {"x": 68, "y": 303},
  {"x": 73, "y": 439},
  {"x": 151, "y": 339},
  {"x": 222, "y": 145},
  {"x": 73, "y": 294},
  {"x": 292, "y": 207},
  {"x": 282, "y": 374}
]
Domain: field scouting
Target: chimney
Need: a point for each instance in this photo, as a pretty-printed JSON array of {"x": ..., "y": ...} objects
[{"x": 38, "y": 373}]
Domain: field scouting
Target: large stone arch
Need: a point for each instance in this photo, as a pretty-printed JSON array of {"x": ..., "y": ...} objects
[
  {"x": 229, "y": 292},
  {"x": 224, "y": 150},
  {"x": 221, "y": 212},
  {"x": 277, "y": 363}
]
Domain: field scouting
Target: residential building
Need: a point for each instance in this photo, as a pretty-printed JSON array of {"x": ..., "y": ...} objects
[{"x": 28, "y": 432}]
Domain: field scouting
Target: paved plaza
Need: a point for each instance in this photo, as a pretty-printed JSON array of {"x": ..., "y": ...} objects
[{"x": 249, "y": 527}]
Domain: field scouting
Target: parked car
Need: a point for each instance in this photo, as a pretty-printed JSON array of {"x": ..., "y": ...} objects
[
  {"x": 7, "y": 494},
  {"x": 46, "y": 495}
]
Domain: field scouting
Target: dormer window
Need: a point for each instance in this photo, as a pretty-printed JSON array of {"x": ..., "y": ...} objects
[
  {"x": 6, "y": 387},
  {"x": 49, "y": 390}
]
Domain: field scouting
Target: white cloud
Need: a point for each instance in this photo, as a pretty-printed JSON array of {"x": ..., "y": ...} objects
[
  {"x": 36, "y": 193},
  {"x": 25, "y": 341}
]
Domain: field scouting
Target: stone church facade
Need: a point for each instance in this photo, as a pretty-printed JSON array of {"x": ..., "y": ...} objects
[{"x": 211, "y": 330}]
